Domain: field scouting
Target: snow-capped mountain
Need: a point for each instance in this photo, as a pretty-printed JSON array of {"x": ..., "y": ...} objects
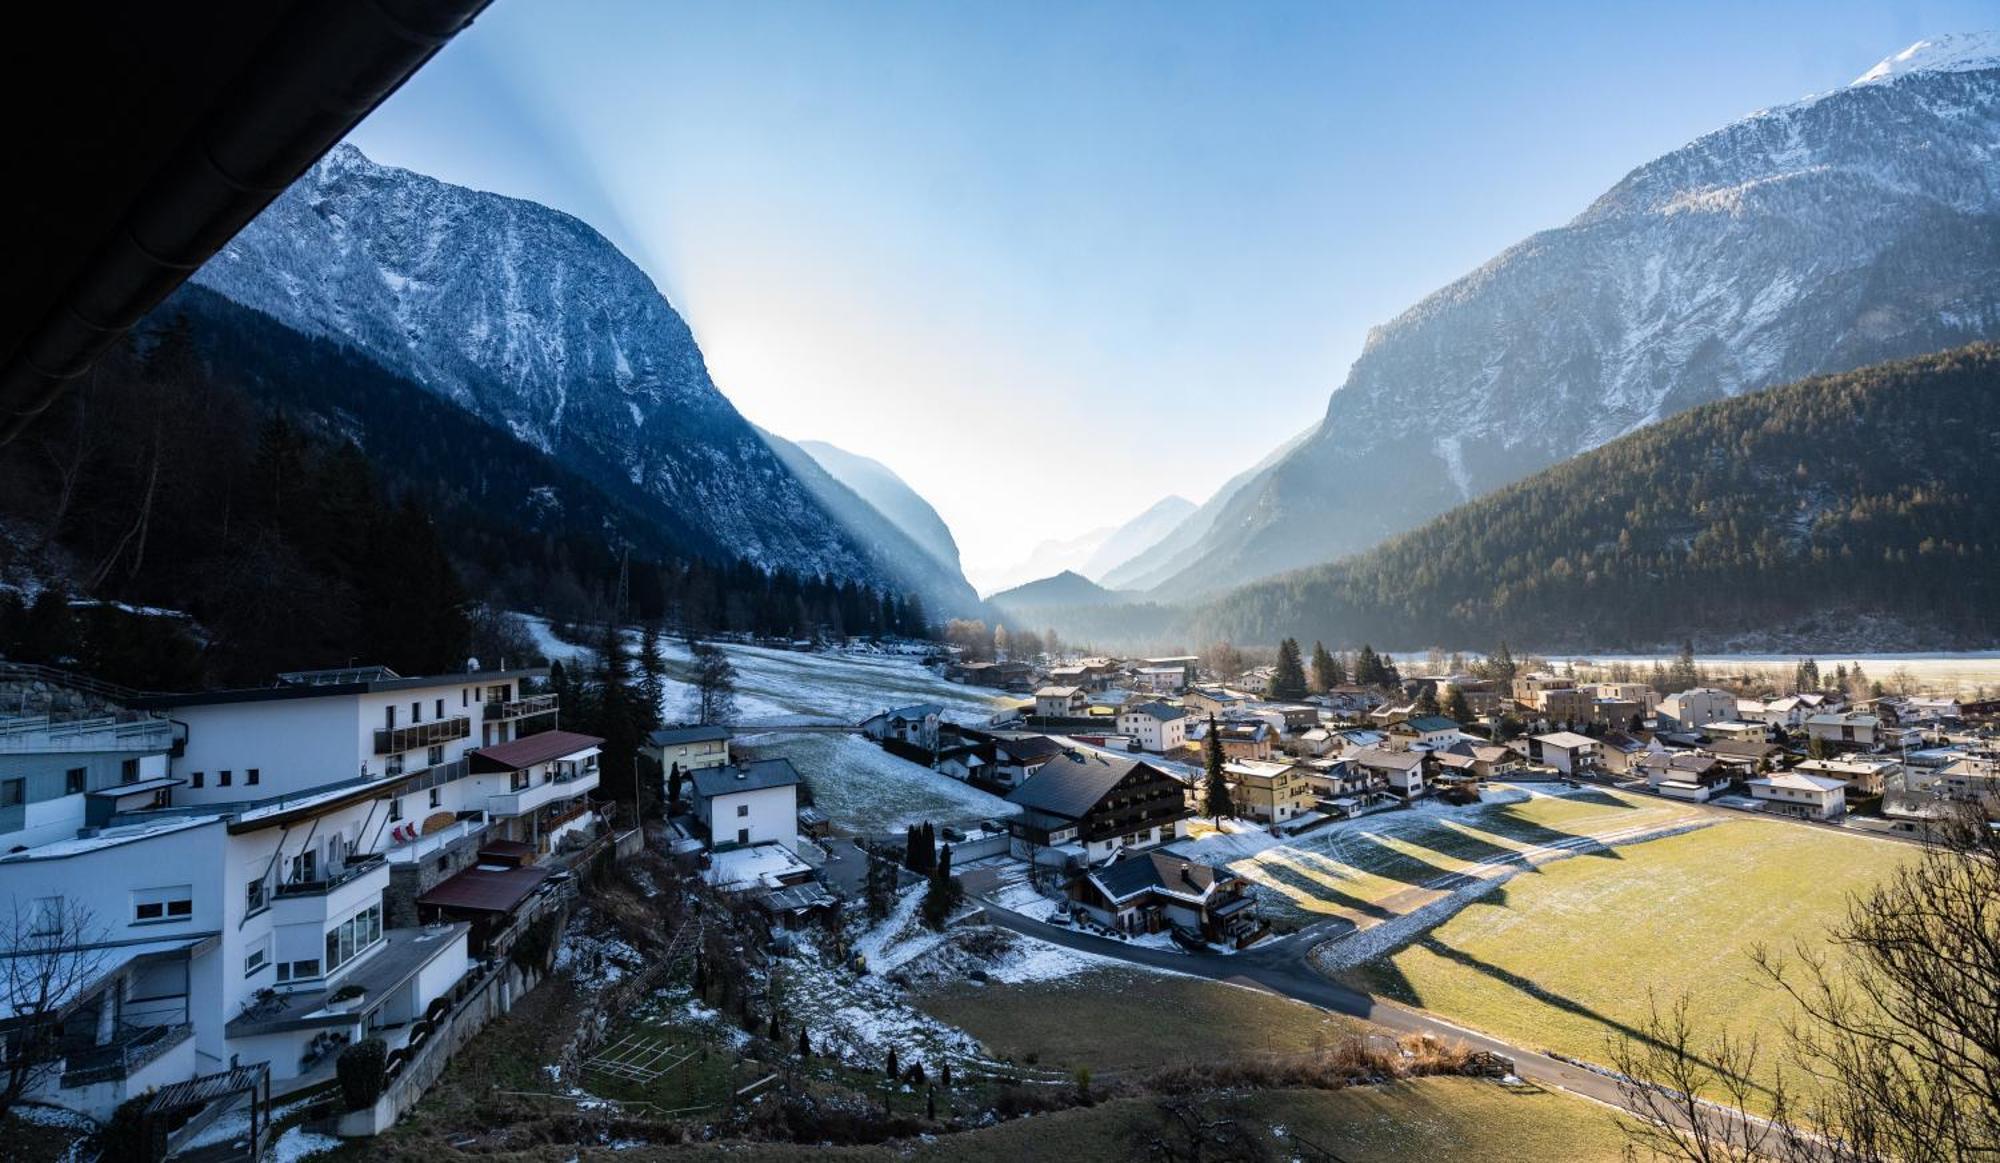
[
  {"x": 534, "y": 322},
  {"x": 1858, "y": 225}
]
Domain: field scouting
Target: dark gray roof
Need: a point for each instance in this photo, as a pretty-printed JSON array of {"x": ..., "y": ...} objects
[
  {"x": 1133, "y": 875},
  {"x": 1070, "y": 784},
  {"x": 1028, "y": 748},
  {"x": 1161, "y": 711},
  {"x": 671, "y": 736},
  {"x": 363, "y": 681},
  {"x": 730, "y": 778}
]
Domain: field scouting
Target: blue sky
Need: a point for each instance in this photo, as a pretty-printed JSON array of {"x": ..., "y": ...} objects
[{"x": 1065, "y": 259}]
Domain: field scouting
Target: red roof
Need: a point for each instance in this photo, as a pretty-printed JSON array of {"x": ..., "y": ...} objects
[
  {"x": 486, "y": 890},
  {"x": 530, "y": 750}
]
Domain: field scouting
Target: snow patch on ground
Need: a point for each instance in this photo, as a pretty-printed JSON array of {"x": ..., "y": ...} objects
[{"x": 298, "y": 1144}]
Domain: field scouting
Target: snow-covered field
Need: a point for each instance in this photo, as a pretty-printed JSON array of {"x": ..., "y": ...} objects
[
  {"x": 865, "y": 790},
  {"x": 792, "y": 688},
  {"x": 1374, "y": 869}
]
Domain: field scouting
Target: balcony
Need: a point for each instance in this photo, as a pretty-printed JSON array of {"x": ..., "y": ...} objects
[
  {"x": 353, "y": 870},
  {"x": 123, "y": 1056},
  {"x": 520, "y": 708},
  {"x": 417, "y": 736},
  {"x": 432, "y": 843},
  {"x": 521, "y": 801}
]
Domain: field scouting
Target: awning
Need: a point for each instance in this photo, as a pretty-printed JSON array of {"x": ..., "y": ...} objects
[
  {"x": 120, "y": 790},
  {"x": 530, "y": 750},
  {"x": 486, "y": 890}
]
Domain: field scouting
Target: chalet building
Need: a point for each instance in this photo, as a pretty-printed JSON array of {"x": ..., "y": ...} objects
[
  {"x": 1268, "y": 791},
  {"x": 1017, "y": 758},
  {"x": 1241, "y": 738},
  {"x": 1399, "y": 771},
  {"x": 749, "y": 803},
  {"x": 688, "y": 748},
  {"x": 1083, "y": 807},
  {"x": 1423, "y": 733},
  {"x": 1477, "y": 759},
  {"x": 1062, "y": 702},
  {"x": 915, "y": 725},
  {"x": 1156, "y": 727},
  {"x": 1160, "y": 680},
  {"x": 1792, "y": 793},
  {"x": 1620, "y": 753},
  {"x": 1202, "y": 702},
  {"x": 1684, "y": 775},
  {"x": 1157, "y": 891},
  {"x": 1866, "y": 775}
]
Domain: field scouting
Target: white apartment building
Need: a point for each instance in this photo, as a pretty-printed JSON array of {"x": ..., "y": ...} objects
[
  {"x": 57, "y": 776},
  {"x": 1157, "y": 727},
  {"x": 1566, "y": 751},
  {"x": 1698, "y": 707},
  {"x": 750, "y": 803},
  {"x": 1792, "y": 793}
]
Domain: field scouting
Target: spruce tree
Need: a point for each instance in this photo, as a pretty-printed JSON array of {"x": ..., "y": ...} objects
[
  {"x": 1288, "y": 678},
  {"x": 1457, "y": 708},
  {"x": 1215, "y": 784},
  {"x": 1325, "y": 669}
]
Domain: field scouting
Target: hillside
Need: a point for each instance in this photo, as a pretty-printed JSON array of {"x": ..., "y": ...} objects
[
  {"x": 1138, "y": 535},
  {"x": 1852, "y": 511},
  {"x": 1853, "y": 227},
  {"x": 891, "y": 496},
  {"x": 534, "y": 322},
  {"x": 1065, "y": 590}
]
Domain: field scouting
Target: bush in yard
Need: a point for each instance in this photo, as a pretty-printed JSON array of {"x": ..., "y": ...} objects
[
  {"x": 363, "y": 1069},
  {"x": 124, "y": 1133}
]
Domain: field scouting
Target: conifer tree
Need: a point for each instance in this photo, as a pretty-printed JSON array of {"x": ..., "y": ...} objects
[
  {"x": 1325, "y": 670},
  {"x": 1215, "y": 784},
  {"x": 1457, "y": 707},
  {"x": 1288, "y": 678}
]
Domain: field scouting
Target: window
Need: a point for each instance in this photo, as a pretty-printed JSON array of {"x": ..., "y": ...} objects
[
  {"x": 252, "y": 776},
  {"x": 48, "y": 916},
  {"x": 742, "y": 810},
  {"x": 222, "y": 778},
  {"x": 416, "y": 713},
  {"x": 128, "y": 771},
  {"x": 194, "y": 779},
  {"x": 353, "y": 936},
  {"x": 396, "y": 808},
  {"x": 389, "y": 716},
  {"x": 255, "y": 896},
  {"x": 13, "y": 792},
  {"x": 174, "y": 903},
  {"x": 517, "y": 781},
  {"x": 437, "y": 796},
  {"x": 440, "y": 708},
  {"x": 304, "y": 970},
  {"x": 305, "y": 867},
  {"x": 436, "y": 754},
  {"x": 73, "y": 780},
  {"x": 257, "y": 959}
]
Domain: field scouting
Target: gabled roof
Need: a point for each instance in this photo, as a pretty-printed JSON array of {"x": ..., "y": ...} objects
[
  {"x": 1395, "y": 760},
  {"x": 1567, "y": 740},
  {"x": 1424, "y": 724},
  {"x": 1071, "y": 784},
  {"x": 913, "y": 711},
  {"x": 1159, "y": 871},
  {"x": 1058, "y": 692},
  {"x": 732, "y": 778},
  {"x": 530, "y": 750},
  {"x": 1161, "y": 711},
  {"x": 1847, "y": 719},
  {"x": 1028, "y": 748},
  {"x": 1798, "y": 782}
]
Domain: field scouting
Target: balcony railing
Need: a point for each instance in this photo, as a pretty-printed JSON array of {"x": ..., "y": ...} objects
[
  {"x": 120, "y": 1057},
  {"x": 355, "y": 868},
  {"x": 520, "y": 708},
  {"x": 396, "y": 740}
]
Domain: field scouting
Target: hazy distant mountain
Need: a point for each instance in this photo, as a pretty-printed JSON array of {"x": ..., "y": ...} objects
[
  {"x": 531, "y": 320},
  {"x": 1136, "y": 536},
  {"x": 891, "y": 495},
  {"x": 1048, "y": 557},
  {"x": 944, "y": 590},
  {"x": 1851, "y": 227},
  {"x": 1066, "y": 590},
  {"x": 1178, "y": 548}
]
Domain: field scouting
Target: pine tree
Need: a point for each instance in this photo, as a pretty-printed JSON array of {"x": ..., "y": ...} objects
[
  {"x": 891, "y": 1070},
  {"x": 1288, "y": 678},
  {"x": 1325, "y": 670},
  {"x": 1502, "y": 666},
  {"x": 1457, "y": 708},
  {"x": 1368, "y": 669},
  {"x": 805, "y": 1045},
  {"x": 675, "y": 780},
  {"x": 1427, "y": 700},
  {"x": 652, "y": 666},
  {"x": 1684, "y": 676},
  {"x": 1215, "y": 784}
]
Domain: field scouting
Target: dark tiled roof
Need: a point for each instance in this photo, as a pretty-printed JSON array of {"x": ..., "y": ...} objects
[
  {"x": 1028, "y": 748},
  {"x": 1072, "y": 783},
  {"x": 1431, "y": 723},
  {"x": 1160, "y": 711},
  {"x": 731, "y": 778},
  {"x": 486, "y": 890},
  {"x": 530, "y": 750},
  {"x": 671, "y": 736},
  {"x": 1133, "y": 875}
]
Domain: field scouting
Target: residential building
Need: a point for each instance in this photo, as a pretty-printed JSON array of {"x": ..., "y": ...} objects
[
  {"x": 1241, "y": 738},
  {"x": 1863, "y": 774},
  {"x": 1527, "y": 687},
  {"x": 1083, "y": 806},
  {"x": 1423, "y": 733},
  {"x": 1641, "y": 694},
  {"x": 915, "y": 725},
  {"x": 1973, "y": 779},
  {"x": 1845, "y": 729},
  {"x": 1684, "y": 775},
  {"x": 749, "y": 803},
  {"x": 1062, "y": 702},
  {"x": 689, "y": 748},
  {"x": 1203, "y": 702},
  {"x": 1400, "y": 771},
  {"x": 58, "y": 776},
  {"x": 1268, "y": 791},
  {"x": 1620, "y": 753},
  {"x": 1696, "y": 708},
  {"x": 1156, "y": 891},
  {"x": 1017, "y": 757},
  {"x": 1478, "y": 759},
  {"x": 1564, "y": 705},
  {"x": 1566, "y": 751},
  {"x": 1157, "y": 727},
  {"x": 1738, "y": 731},
  {"x": 1793, "y": 793},
  {"x": 1160, "y": 680}
]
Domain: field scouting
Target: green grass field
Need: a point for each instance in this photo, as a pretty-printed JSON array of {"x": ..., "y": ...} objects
[
  {"x": 1114, "y": 1020},
  {"x": 1375, "y": 868},
  {"x": 1564, "y": 957}
]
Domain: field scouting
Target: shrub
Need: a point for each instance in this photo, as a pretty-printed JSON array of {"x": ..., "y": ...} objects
[
  {"x": 363, "y": 1071},
  {"x": 347, "y": 993}
]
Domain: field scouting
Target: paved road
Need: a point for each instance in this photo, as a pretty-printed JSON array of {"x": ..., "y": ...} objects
[{"x": 1281, "y": 968}]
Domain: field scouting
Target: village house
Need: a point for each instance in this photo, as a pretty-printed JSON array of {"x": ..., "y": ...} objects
[
  {"x": 1157, "y": 727},
  {"x": 1641, "y": 694},
  {"x": 1160, "y": 680},
  {"x": 1695, "y": 708},
  {"x": 1241, "y": 738},
  {"x": 1620, "y": 753},
  {"x": 1156, "y": 891},
  {"x": 1864, "y": 775},
  {"x": 1528, "y": 687},
  {"x": 1792, "y": 793},
  {"x": 966, "y": 761},
  {"x": 1566, "y": 751},
  {"x": 1018, "y": 757},
  {"x": 688, "y": 747},
  {"x": 1478, "y": 759},
  {"x": 1313, "y": 744},
  {"x": 749, "y": 803},
  {"x": 1202, "y": 702},
  {"x": 1267, "y": 790},
  {"x": 1062, "y": 702},
  {"x": 1737, "y": 731},
  {"x": 1400, "y": 771},
  {"x": 915, "y": 725},
  {"x": 1850, "y": 729},
  {"x": 1389, "y": 714},
  {"x": 1423, "y": 733},
  {"x": 1684, "y": 775},
  {"x": 1084, "y": 806},
  {"x": 1973, "y": 779}
]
